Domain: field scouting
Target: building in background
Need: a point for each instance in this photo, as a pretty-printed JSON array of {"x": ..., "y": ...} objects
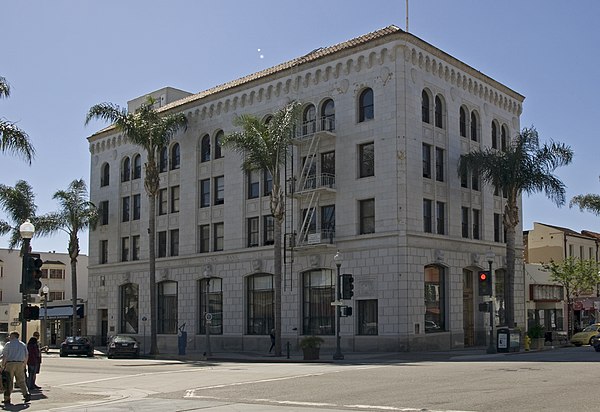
[
  {"x": 372, "y": 174},
  {"x": 56, "y": 275}
]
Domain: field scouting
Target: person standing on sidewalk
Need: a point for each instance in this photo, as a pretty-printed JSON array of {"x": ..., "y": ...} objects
[
  {"x": 14, "y": 362},
  {"x": 34, "y": 361}
]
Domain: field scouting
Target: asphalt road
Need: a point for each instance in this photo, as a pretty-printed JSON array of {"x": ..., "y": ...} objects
[{"x": 562, "y": 379}]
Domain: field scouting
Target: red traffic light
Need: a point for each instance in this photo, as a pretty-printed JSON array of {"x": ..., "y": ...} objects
[{"x": 482, "y": 276}]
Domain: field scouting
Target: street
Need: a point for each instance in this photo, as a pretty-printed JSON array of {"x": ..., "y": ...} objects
[{"x": 553, "y": 380}]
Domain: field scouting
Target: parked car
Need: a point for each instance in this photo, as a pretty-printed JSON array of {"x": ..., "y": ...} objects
[
  {"x": 123, "y": 345},
  {"x": 596, "y": 342},
  {"x": 77, "y": 345},
  {"x": 585, "y": 336}
]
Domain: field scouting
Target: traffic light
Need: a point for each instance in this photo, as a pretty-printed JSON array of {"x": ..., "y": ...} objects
[
  {"x": 485, "y": 283},
  {"x": 33, "y": 274},
  {"x": 345, "y": 311},
  {"x": 347, "y": 286},
  {"x": 31, "y": 313}
]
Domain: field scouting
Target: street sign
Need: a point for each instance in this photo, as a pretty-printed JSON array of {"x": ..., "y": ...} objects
[{"x": 337, "y": 303}]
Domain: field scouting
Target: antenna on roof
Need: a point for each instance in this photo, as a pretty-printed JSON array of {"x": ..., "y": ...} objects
[{"x": 407, "y": 16}]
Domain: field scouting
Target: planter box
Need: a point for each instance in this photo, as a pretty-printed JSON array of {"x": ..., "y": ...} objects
[{"x": 311, "y": 353}]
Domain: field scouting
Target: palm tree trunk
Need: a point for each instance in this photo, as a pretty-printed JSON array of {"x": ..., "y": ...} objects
[
  {"x": 277, "y": 251},
  {"x": 73, "y": 253},
  {"x": 152, "y": 277},
  {"x": 509, "y": 279}
]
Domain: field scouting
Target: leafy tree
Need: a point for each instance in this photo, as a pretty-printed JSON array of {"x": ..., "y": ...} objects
[
  {"x": 76, "y": 213},
  {"x": 577, "y": 277},
  {"x": 524, "y": 166},
  {"x": 589, "y": 202},
  {"x": 150, "y": 130},
  {"x": 264, "y": 146},
  {"x": 13, "y": 139}
]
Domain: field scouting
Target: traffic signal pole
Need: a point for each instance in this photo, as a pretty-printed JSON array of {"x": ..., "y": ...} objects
[{"x": 24, "y": 294}]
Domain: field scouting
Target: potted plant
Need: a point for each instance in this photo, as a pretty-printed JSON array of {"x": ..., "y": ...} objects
[
  {"x": 536, "y": 333},
  {"x": 311, "y": 346}
]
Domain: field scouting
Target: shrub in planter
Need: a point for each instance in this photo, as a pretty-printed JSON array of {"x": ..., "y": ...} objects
[
  {"x": 536, "y": 331},
  {"x": 311, "y": 346}
]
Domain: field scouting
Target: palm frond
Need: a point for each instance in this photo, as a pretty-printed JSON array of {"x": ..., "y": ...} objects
[
  {"x": 4, "y": 87},
  {"x": 589, "y": 202},
  {"x": 15, "y": 141}
]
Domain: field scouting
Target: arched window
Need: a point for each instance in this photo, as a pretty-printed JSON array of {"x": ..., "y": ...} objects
[
  {"x": 175, "y": 157},
  {"x": 211, "y": 301},
  {"x": 126, "y": 172},
  {"x": 309, "y": 118},
  {"x": 163, "y": 160},
  {"x": 494, "y": 135},
  {"x": 167, "y": 307},
  {"x": 205, "y": 148},
  {"x": 267, "y": 119},
  {"x": 474, "y": 126},
  {"x": 328, "y": 115},
  {"x": 366, "y": 107},
  {"x": 218, "y": 137},
  {"x": 137, "y": 166},
  {"x": 260, "y": 304},
  {"x": 129, "y": 308},
  {"x": 463, "y": 122},
  {"x": 435, "y": 298},
  {"x": 504, "y": 137},
  {"x": 425, "y": 107},
  {"x": 318, "y": 316},
  {"x": 439, "y": 112},
  {"x": 105, "y": 178}
]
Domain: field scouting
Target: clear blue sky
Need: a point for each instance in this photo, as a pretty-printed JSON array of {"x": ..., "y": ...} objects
[{"x": 61, "y": 57}]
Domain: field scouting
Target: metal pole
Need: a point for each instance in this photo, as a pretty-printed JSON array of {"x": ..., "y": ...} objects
[
  {"x": 207, "y": 322},
  {"x": 492, "y": 347},
  {"x": 338, "y": 350},
  {"x": 25, "y": 259},
  {"x": 45, "y": 321}
]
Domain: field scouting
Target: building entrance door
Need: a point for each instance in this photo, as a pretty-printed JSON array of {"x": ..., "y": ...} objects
[
  {"x": 468, "y": 319},
  {"x": 103, "y": 316}
]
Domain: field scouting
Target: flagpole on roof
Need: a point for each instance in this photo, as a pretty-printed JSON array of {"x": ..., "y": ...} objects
[{"x": 407, "y": 16}]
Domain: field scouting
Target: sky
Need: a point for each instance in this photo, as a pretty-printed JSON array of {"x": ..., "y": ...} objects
[{"x": 61, "y": 57}]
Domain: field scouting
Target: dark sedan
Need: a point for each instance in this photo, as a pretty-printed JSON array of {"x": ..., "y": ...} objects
[
  {"x": 77, "y": 345},
  {"x": 123, "y": 345}
]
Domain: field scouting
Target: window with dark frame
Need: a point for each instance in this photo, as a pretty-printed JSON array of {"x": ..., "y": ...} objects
[
  {"x": 105, "y": 178},
  {"x": 175, "y": 157},
  {"x": 439, "y": 164},
  {"x": 476, "y": 223},
  {"x": 427, "y": 216},
  {"x": 210, "y": 300},
  {"x": 124, "y": 249},
  {"x": 219, "y": 231},
  {"x": 219, "y": 190},
  {"x": 204, "y": 238},
  {"x": 135, "y": 247},
  {"x": 163, "y": 160},
  {"x": 253, "y": 184},
  {"x": 103, "y": 251},
  {"x": 426, "y": 161},
  {"x": 103, "y": 212},
  {"x": 167, "y": 307},
  {"x": 162, "y": 202},
  {"x": 129, "y": 308},
  {"x": 175, "y": 199},
  {"x": 218, "y": 149},
  {"x": 440, "y": 217},
  {"x": 366, "y": 153},
  {"x": 260, "y": 309},
  {"x": 253, "y": 231},
  {"x": 162, "y": 244},
  {"x": 474, "y": 126},
  {"x": 318, "y": 316},
  {"x": 126, "y": 172},
  {"x": 435, "y": 299},
  {"x": 267, "y": 183},
  {"x": 125, "y": 209},
  {"x": 494, "y": 135},
  {"x": 269, "y": 230},
  {"x": 439, "y": 112},
  {"x": 205, "y": 149},
  {"x": 465, "y": 222},
  {"x": 328, "y": 115},
  {"x": 205, "y": 193},
  {"x": 498, "y": 227},
  {"x": 137, "y": 167},
  {"x": 367, "y": 216},
  {"x": 174, "y": 242},
  {"x": 425, "y": 107},
  {"x": 463, "y": 122},
  {"x": 366, "y": 107},
  {"x": 137, "y": 205},
  {"x": 368, "y": 319}
]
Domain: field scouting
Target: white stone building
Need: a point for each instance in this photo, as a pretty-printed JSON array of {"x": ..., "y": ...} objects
[{"x": 386, "y": 118}]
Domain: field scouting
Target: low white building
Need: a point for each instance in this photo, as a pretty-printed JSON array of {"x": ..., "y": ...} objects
[{"x": 372, "y": 174}]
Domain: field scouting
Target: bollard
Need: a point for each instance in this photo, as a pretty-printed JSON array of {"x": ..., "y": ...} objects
[
  {"x": 527, "y": 342},
  {"x": 287, "y": 349}
]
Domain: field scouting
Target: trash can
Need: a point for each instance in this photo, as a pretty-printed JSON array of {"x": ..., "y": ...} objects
[{"x": 508, "y": 340}]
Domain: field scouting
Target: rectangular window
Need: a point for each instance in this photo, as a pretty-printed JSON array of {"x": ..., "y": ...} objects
[
  {"x": 103, "y": 212},
  {"x": 426, "y": 161},
  {"x": 253, "y": 231},
  {"x": 162, "y": 202},
  {"x": 581, "y": 252},
  {"x": 366, "y": 159},
  {"x": 441, "y": 218},
  {"x": 318, "y": 316},
  {"x": 435, "y": 305},
  {"x": 328, "y": 223},
  {"x": 476, "y": 222},
  {"x": 439, "y": 164},
  {"x": 174, "y": 242},
  {"x": 175, "y": 199},
  {"x": 167, "y": 308},
  {"x": 309, "y": 216},
  {"x": 367, "y": 216},
  {"x": 135, "y": 248},
  {"x": 219, "y": 230},
  {"x": 328, "y": 169},
  {"x": 427, "y": 216},
  {"x": 269, "y": 230},
  {"x": 475, "y": 182},
  {"x": 464, "y": 180},
  {"x": 260, "y": 305},
  {"x": 162, "y": 244},
  {"x": 205, "y": 193},
  {"x": 497, "y": 227},
  {"x": 253, "y": 184},
  {"x": 267, "y": 183},
  {"x": 124, "y": 249},
  {"x": 103, "y": 251},
  {"x": 56, "y": 296},
  {"x": 571, "y": 251},
  {"x": 591, "y": 254},
  {"x": 219, "y": 190},
  {"x": 465, "y": 222},
  {"x": 211, "y": 301},
  {"x": 367, "y": 317},
  {"x": 204, "y": 238},
  {"x": 125, "y": 209},
  {"x": 137, "y": 205},
  {"x": 57, "y": 273}
]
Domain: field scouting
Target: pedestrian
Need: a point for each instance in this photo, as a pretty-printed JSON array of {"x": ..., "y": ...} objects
[
  {"x": 34, "y": 360},
  {"x": 272, "y": 335},
  {"x": 14, "y": 362}
]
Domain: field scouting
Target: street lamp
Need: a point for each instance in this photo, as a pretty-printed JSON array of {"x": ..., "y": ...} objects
[
  {"x": 207, "y": 314},
  {"x": 489, "y": 256},
  {"x": 27, "y": 230},
  {"x": 338, "y": 350},
  {"x": 45, "y": 291}
]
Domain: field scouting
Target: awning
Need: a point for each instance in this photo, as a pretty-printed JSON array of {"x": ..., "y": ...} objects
[{"x": 61, "y": 312}]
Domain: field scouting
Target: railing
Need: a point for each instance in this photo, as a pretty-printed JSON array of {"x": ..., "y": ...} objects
[
  {"x": 313, "y": 182},
  {"x": 310, "y": 127},
  {"x": 316, "y": 237}
]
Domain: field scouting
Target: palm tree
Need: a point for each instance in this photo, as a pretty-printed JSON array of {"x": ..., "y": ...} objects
[
  {"x": 151, "y": 131},
  {"x": 264, "y": 146},
  {"x": 13, "y": 139},
  {"x": 589, "y": 202},
  {"x": 76, "y": 213},
  {"x": 523, "y": 167},
  {"x": 19, "y": 205}
]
